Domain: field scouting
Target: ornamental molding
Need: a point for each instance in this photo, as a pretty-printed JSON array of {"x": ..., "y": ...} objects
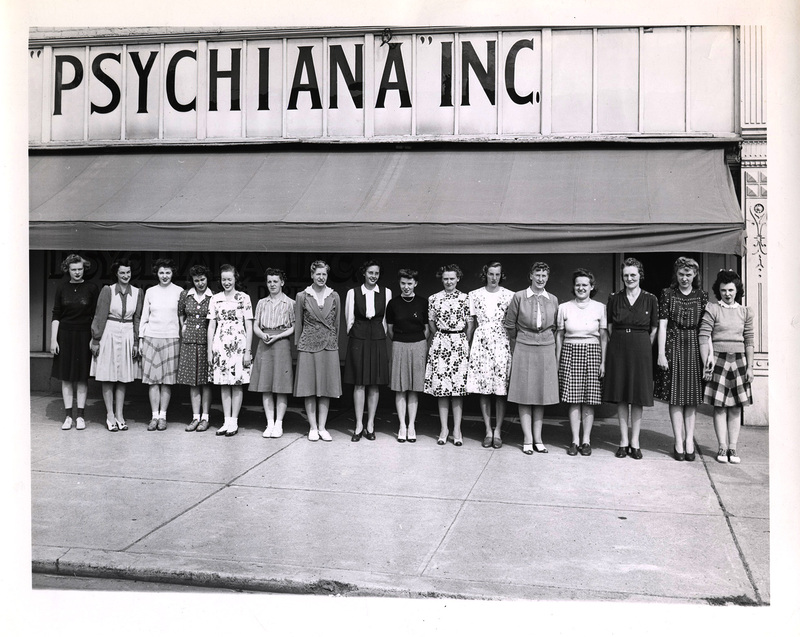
[{"x": 754, "y": 153}]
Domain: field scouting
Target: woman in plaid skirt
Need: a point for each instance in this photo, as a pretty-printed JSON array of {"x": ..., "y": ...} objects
[
  {"x": 726, "y": 346},
  {"x": 581, "y": 341}
]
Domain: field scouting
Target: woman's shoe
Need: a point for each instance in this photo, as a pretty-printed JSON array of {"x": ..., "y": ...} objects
[
  {"x": 585, "y": 449},
  {"x": 112, "y": 425},
  {"x": 67, "y": 423},
  {"x": 220, "y": 432},
  {"x": 356, "y": 436},
  {"x": 635, "y": 453},
  {"x": 232, "y": 431},
  {"x": 402, "y": 434},
  {"x": 324, "y": 435},
  {"x": 80, "y": 423},
  {"x": 487, "y": 442},
  {"x": 121, "y": 426},
  {"x": 277, "y": 430},
  {"x": 412, "y": 434},
  {"x": 722, "y": 455},
  {"x": 732, "y": 457},
  {"x": 497, "y": 442},
  {"x": 203, "y": 426},
  {"x": 527, "y": 449},
  {"x": 458, "y": 441},
  {"x": 313, "y": 435},
  {"x": 621, "y": 452},
  {"x": 151, "y": 426},
  {"x": 689, "y": 456},
  {"x": 680, "y": 456},
  {"x": 369, "y": 435},
  {"x": 443, "y": 435},
  {"x": 539, "y": 447},
  {"x": 162, "y": 424},
  {"x": 573, "y": 450},
  {"x": 192, "y": 425},
  {"x": 268, "y": 431}
]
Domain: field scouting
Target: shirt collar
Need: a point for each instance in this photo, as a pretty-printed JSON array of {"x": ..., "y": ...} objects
[
  {"x": 118, "y": 290},
  {"x": 278, "y": 299},
  {"x": 193, "y": 292},
  {"x": 325, "y": 294},
  {"x": 364, "y": 289},
  {"x": 529, "y": 293},
  {"x": 734, "y": 304}
]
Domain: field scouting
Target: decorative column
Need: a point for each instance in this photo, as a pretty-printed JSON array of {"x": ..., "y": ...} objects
[{"x": 754, "y": 207}]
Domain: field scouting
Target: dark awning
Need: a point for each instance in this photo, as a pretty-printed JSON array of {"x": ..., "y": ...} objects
[{"x": 455, "y": 200}]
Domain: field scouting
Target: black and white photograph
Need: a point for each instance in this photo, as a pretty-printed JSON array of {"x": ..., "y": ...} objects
[{"x": 447, "y": 316}]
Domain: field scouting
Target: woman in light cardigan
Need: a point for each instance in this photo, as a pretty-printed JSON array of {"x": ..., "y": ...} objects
[{"x": 726, "y": 346}]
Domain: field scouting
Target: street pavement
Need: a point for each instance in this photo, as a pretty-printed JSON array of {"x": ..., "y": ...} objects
[{"x": 378, "y": 518}]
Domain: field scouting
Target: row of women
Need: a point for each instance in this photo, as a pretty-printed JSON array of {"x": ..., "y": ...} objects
[{"x": 524, "y": 347}]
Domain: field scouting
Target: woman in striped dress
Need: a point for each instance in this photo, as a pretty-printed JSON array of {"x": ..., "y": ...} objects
[{"x": 679, "y": 377}]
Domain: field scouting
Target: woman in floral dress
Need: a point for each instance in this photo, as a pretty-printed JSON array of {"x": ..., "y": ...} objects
[
  {"x": 448, "y": 357},
  {"x": 490, "y": 351},
  {"x": 193, "y": 360},
  {"x": 230, "y": 335}
]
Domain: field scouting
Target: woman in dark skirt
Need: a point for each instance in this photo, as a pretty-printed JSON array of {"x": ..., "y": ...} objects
[
  {"x": 727, "y": 344},
  {"x": 273, "y": 326},
  {"x": 632, "y": 316},
  {"x": 407, "y": 325},
  {"x": 679, "y": 377},
  {"x": 193, "y": 356},
  {"x": 366, "y": 364},
  {"x": 71, "y": 334}
]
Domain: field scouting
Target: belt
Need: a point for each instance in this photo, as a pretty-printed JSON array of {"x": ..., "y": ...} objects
[
  {"x": 451, "y": 331},
  {"x": 119, "y": 320},
  {"x": 628, "y": 330}
]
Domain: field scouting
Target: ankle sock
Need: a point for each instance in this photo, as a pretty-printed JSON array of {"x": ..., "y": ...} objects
[
  {"x": 195, "y": 416},
  {"x": 204, "y": 417},
  {"x": 67, "y": 412},
  {"x": 155, "y": 415},
  {"x": 80, "y": 412},
  {"x": 162, "y": 415}
]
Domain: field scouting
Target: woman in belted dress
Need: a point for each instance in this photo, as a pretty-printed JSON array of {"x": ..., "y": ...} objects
[
  {"x": 366, "y": 364},
  {"x": 115, "y": 341}
]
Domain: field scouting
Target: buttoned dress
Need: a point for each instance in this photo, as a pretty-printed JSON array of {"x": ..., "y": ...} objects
[
  {"x": 448, "y": 357},
  {"x": 317, "y": 338},
  {"x": 230, "y": 338},
  {"x": 193, "y": 357},
  {"x": 115, "y": 329}
]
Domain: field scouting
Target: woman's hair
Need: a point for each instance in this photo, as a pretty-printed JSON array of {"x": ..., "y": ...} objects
[
  {"x": 449, "y": 268},
  {"x": 491, "y": 264},
  {"x": 631, "y": 262},
  {"x": 539, "y": 265},
  {"x": 237, "y": 281},
  {"x": 275, "y": 272},
  {"x": 73, "y": 258},
  {"x": 198, "y": 270},
  {"x": 320, "y": 264},
  {"x": 119, "y": 263},
  {"x": 167, "y": 264},
  {"x": 407, "y": 273},
  {"x": 728, "y": 276},
  {"x": 367, "y": 265},
  {"x": 689, "y": 264},
  {"x": 583, "y": 272}
]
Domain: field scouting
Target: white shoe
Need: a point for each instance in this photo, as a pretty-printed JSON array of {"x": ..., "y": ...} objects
[
  {"x": 268, "y": 431},
  {"x": 722, "y": 455},
  {"x": 277, "y": 431},
  {"x": 323, "y": 433},
  {"x": 67, "y": 423},
  {"x": 313, "y": 435},
  {"x": 80, "y": 423}
]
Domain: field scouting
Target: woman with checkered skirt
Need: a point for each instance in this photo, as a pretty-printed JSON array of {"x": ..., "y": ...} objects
[
  {"x": 581, "y": 340},
  {"x": 726, "y": 346}
]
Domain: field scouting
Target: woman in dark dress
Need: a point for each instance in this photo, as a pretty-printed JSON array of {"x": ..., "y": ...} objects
[
  {"x": 366, "y": 364},
  {"x": 632, "y": 316},
  {"x": 407, "y": 325},
  {"x": 679, "y": 377},
  {"x": 71, "y": 334}
]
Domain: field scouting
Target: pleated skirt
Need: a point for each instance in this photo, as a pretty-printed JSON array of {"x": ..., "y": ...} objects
[
  {"x": 408, "y": 366},
  {"x": 579, "y": 374},
  {"x": 193, "y": 365},
  {"x": 272, "y": 368},
  {"x": 366, "y": 362},
  {"x": 318, "y": 374},
  {"x": 160, "y": 360},
  {"x": 114, "y": 362},
  {"x": 534, "y": 375},
  {"x": 728, "y": 386}
]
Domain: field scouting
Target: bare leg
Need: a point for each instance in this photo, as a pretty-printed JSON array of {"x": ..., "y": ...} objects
[
  {"x": 108, "y": 399},
  {"x": 734, "y": 426},
  {"x": 636, "y": 424},
  {"x": 444, "y": 412},
  {"x": 311, "y": 411},
  {"x": 81, "y": 390},
  {"x": 225, "y": 394},
  {"x": 281, "y": 402},
  {"x": 324, "y": 404},
  {"x": 622, "y": 417},
  {"x": 269, "y": 407},
  {"x": 206, "y": 398},
  {"x": 166, "y": 394},
  {"x": 486, "y": 412},
  {"x": 119, "y": 397},
  {"x": 721, "y": 426},
  {"x": 458, "y": 403},
  {"x": 538, "y": 416},
  {"x": 400, "y": 404},
  {"x": 154, "y": 394},
  {"x": 588, "y": 422},
  {"x": 689, "y": 413},
  {"x": 237, "y": 394},
  {"x": 499, "y": 412},
  {"x": 525, "y": 423},
  {"x": 373, "y": 394},
  {"x": 676, "y": 417},
  {"x": 575, "y": 423},
  {"x": 194, "y": 398},
  {"x": 412, "y": 403},
  {"x": 358, "y": 406},
  {"x": 67, "y": 393}
]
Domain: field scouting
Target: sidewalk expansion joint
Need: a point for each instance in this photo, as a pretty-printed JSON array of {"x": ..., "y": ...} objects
[{"x": 745, "y": 564}]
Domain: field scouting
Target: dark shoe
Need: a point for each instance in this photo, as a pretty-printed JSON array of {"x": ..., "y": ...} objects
[
  {"x": 162, "y": 424},
  {"x": 192, "y": 426},
  {"x": 231, "y": 432},
  {"x": 732, "y": 457},
  {"x": 497, "y": 442},
  {"x": 621, "y": 452},
  {"x": 573, "y": 450},
  {"x": 679, "y": 456},
  {"x": 152, "y": 424},
  {"x": 412, "y": 434},
  {"x": 527, "y": 449},
  {"x": 487, "y": 442},
  {"x": 202, "y": 425},
  {"x": 690, "y": 456},
  {"x": 356, "y": 436},
  {"x": 441, "y": 441},
  {"x": 369, "y": 435},
  {"x": 635, "y": 453},
  {"x": 457, "y": 441},
  {"x": 586, "y": 449},
  {"x": 539, "y": 447}
]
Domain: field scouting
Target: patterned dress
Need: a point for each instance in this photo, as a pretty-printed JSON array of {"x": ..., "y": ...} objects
[
  {"x": 230, "y": 339},
  {"x": 448, "y": 358},
  {"x": 682, "y": 383},
  {"x": 193, "y": 357},
  {"x": 490, "y": 355}
]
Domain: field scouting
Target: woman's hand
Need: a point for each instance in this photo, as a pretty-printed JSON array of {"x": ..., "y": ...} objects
[
  {"x": 247, "y": 359},
  {"x": 662, "y": 362},
  {"x": 708, "y": 369},
  {"x": 95, "y": 349},
  {"x": 210, "y": 359},
  {"x": 54, "y": 347},
  {"x": 750, "y": 374},
  {"x": 267, "y": 339},
  {"x": 602, "y": 372},
  {"x": 135, "y": 352}
]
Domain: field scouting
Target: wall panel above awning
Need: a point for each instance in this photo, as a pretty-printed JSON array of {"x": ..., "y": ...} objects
[{"x": 419, "y": 200}]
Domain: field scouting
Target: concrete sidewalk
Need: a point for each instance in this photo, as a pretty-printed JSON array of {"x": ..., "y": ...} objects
[{"x": 407, "y": 520}]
